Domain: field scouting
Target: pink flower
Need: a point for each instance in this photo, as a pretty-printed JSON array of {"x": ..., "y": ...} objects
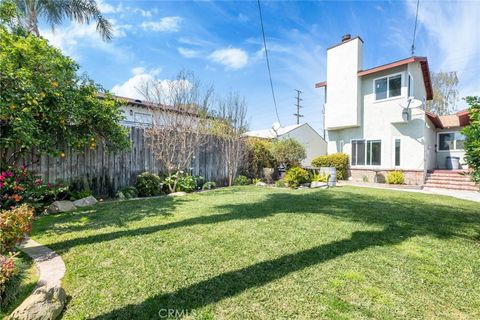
[
  {"x": 49, "y": 185},
  {"x": 9, "y": 173},
  {"x": 1, "y": 185},
  {"x": 38, "y": 182},
  {"x": 2, "y": 178}
]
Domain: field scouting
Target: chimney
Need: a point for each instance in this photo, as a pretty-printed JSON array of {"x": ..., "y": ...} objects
[{"x": 346, "y": 37}]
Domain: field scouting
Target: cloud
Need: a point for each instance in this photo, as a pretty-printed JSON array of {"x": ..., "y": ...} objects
[
  {"x": 166, "y": 24},
  {"x": 187, "y": 53},
  {"x": 232, "y": 58},
  {"x": 131, "y": 88},
  {"x": 451, "y": 40}
]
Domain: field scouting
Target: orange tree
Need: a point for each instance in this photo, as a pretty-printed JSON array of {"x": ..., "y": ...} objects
[{"x": 46, "y": 104}]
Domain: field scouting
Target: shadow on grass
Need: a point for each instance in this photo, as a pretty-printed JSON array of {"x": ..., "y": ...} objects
[{"x": 400, "y": 216}]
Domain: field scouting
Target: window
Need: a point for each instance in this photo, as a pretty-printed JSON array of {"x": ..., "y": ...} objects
[
  {"x": 397, "y": 152},
  {"x": 144, "y": 118},
  {"x": 366, "y": 153},
  {"x": 450, "y": 141},
  {"x": 410, "y": 86},
  {"x": 388, "y": 87}
]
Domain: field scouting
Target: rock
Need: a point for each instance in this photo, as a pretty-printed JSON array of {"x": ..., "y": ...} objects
[
  {"x": 317, "y": 184},
  {"x": 306, "y": 185},
  {"x": 84, "y": 202},
  {"x": 42, "y": 304},
  {"x": 177, "y": 194},
  {"x": 261, "y": 184},
  {"x": 61, "y": 206}
]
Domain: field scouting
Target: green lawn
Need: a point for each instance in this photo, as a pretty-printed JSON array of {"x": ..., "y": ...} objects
[{"x": 259, "y": 253}]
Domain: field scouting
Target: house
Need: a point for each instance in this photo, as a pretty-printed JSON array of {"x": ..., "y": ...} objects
[
  {"x": 377, "y": 116},
  {"x": 314, "y": 144}
]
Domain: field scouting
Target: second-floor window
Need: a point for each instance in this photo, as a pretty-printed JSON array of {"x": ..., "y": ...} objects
[{"x": 388, "y": 87}]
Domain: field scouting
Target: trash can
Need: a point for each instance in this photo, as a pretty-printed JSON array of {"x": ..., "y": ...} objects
[
  {"x": 452, "y": 163},
  {"x": 332, "y": 180}
]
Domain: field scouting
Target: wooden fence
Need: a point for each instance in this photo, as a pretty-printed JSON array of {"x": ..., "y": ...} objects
[{"x": 107, "y": 172}]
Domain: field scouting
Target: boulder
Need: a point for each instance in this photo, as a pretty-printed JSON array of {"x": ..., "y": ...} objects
[
  {"x": 61, "y": 206},
  {"x": 316, "y": 184},
  {"x": 261, "y": 184},
  {"x": 177, "y": 194},
  {"x": 84, "y": 202},
  {"x": 42, "y": 304}
]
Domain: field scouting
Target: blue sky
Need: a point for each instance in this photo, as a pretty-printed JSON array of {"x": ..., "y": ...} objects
[{"x": 221, "y": 43}]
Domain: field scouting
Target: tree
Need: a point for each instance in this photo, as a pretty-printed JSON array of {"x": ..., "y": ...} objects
[
  {"x": 445, "y": 93},
  {"x": 288, "y": 152},
  {"x": 228, "y": 125},
  {"x": 472, "y": 135},
  {"x": 46, "y": 105},
  {"x": 259, "y": 156},
  {"x": 55, "y": 11},
  {"x": 179, "y": 128}
]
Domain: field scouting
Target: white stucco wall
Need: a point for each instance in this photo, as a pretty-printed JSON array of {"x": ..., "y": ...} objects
[
  {"x": 382, "y": 120},
  {"x": 314, "y": 144},
  {"x": 430, "y": 142},
  {"x": 342, "y": 108}
]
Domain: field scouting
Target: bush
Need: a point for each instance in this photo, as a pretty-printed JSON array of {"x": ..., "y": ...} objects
[
  {"x": 395, "y": 177},
  {"x": 209, "y": 185},
  {"x": 241, "y": 181},
  {"x": 296, "y": 176},
  {"x": 320, "y": 177},
  {"x": 280, "y": 183},
  {"x": 127, "y": 193},
  {"x": 259, "y": 156},
  {"x": 337, "y": 160},
  {"x": 256, "y": 180},
  {"x": 14, "y": 225},
  {"x": 185, "y": 182},
  {"x": 79, "y": 188},
  {"x": 288, "y": 152},
  {"x": 148, "y": 184},
  {"x": 7, "y": 271}
]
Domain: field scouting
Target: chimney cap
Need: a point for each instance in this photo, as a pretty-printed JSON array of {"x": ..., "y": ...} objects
[{"x": 346, "y": 37}]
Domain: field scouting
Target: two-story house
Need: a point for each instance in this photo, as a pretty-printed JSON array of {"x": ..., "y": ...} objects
[{"x": 377, "y": 116}]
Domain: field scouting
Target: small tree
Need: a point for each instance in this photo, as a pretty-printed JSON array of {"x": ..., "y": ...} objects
[
  {"x": 445, "y": 93},
  {"x": 45, "y": 104},
  {"x": 179, "y": 131},
  {"x": 258, "y": 156},
  {"x": 229, "y": 124},
  {"x": 288, "y": 152},
  {"x": 472, "y": 134}
]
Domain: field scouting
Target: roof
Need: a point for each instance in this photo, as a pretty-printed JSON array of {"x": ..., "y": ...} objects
[
  {"x": 459, "y": 119},
  {"x": 270, "y": 134},
  {"x": 423, "y": 64}
]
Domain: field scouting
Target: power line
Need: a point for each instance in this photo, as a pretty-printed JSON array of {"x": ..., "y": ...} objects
[
  {"x": 415, "y": 29},
  {"x": 268, "y": 61},
  {"x": 298, "y": 115}
]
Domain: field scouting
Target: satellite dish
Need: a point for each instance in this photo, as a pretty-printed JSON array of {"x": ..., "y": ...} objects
[
  {"x": 411, "y": 103},
  {"x": 275, "y": 127}
]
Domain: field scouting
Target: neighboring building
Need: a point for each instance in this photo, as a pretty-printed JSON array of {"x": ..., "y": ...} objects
[
  {"x": 314, "y": 144},
  {"x": 367, "y": 116}
]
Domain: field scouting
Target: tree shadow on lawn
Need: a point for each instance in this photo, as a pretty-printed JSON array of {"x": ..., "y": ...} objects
[{"x": 400, "y": 216}]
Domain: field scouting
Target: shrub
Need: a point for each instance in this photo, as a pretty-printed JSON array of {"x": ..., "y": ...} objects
[
  {"x": 127, "y": 193},
  {"x": 296, "y": 176},
  {"x": 184, "y": 182},
  {"x": 148, "y": 184},
  {"x": 241, "y": 181},
  {"x": 337, "y": 160},
  {"x": 14, "y": 225},
  {"x": 258, "y": 156},
  {"x": 256, "y": 180},
  {"x": 472, "y": 138},
  {"x": 7, "y": 271},
  {"x": 280, "y": 183},
  {"x": 79, "y": 188},
  {"x": 288, "y": 152},
  {"x": 209, "y": 185},
  {"x": 395, "y": 177},
  {"x": 320, "y": 177}
]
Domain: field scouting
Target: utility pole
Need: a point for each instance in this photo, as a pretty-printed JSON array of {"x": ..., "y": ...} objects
[{"x": 298, "y": 115}]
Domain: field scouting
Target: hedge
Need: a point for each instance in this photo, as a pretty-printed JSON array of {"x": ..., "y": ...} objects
[{"x": 337, "y": 160}]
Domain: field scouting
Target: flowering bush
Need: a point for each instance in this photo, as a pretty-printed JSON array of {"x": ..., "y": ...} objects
[
  {"x": 14, "y": 225},
  {"x": 18, "y": 185},
  {"x": 7, "y": 271}
]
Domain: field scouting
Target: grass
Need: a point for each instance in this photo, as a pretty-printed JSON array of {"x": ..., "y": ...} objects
[
  {"x": 252, "y": 252},
  {"x": 21, "y": 286}
]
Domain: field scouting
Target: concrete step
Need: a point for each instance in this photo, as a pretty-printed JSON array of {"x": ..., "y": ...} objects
[
  {"x": 441, "y": 178},
  {"x": 451, "y": 187},
  {"x": 452, "y": 182},
  {"x": 448, "y": 177}
]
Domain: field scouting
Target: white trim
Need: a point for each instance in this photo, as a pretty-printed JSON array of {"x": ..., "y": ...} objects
[
  {"x": 454, "y": 142},
  {"x": 394, "y": 165},
  {"x": 409, "y": 76},
  {"x": 402, "y": 79}
]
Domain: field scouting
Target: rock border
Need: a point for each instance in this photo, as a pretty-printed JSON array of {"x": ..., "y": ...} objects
[{"x": 48, "y": 298}]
